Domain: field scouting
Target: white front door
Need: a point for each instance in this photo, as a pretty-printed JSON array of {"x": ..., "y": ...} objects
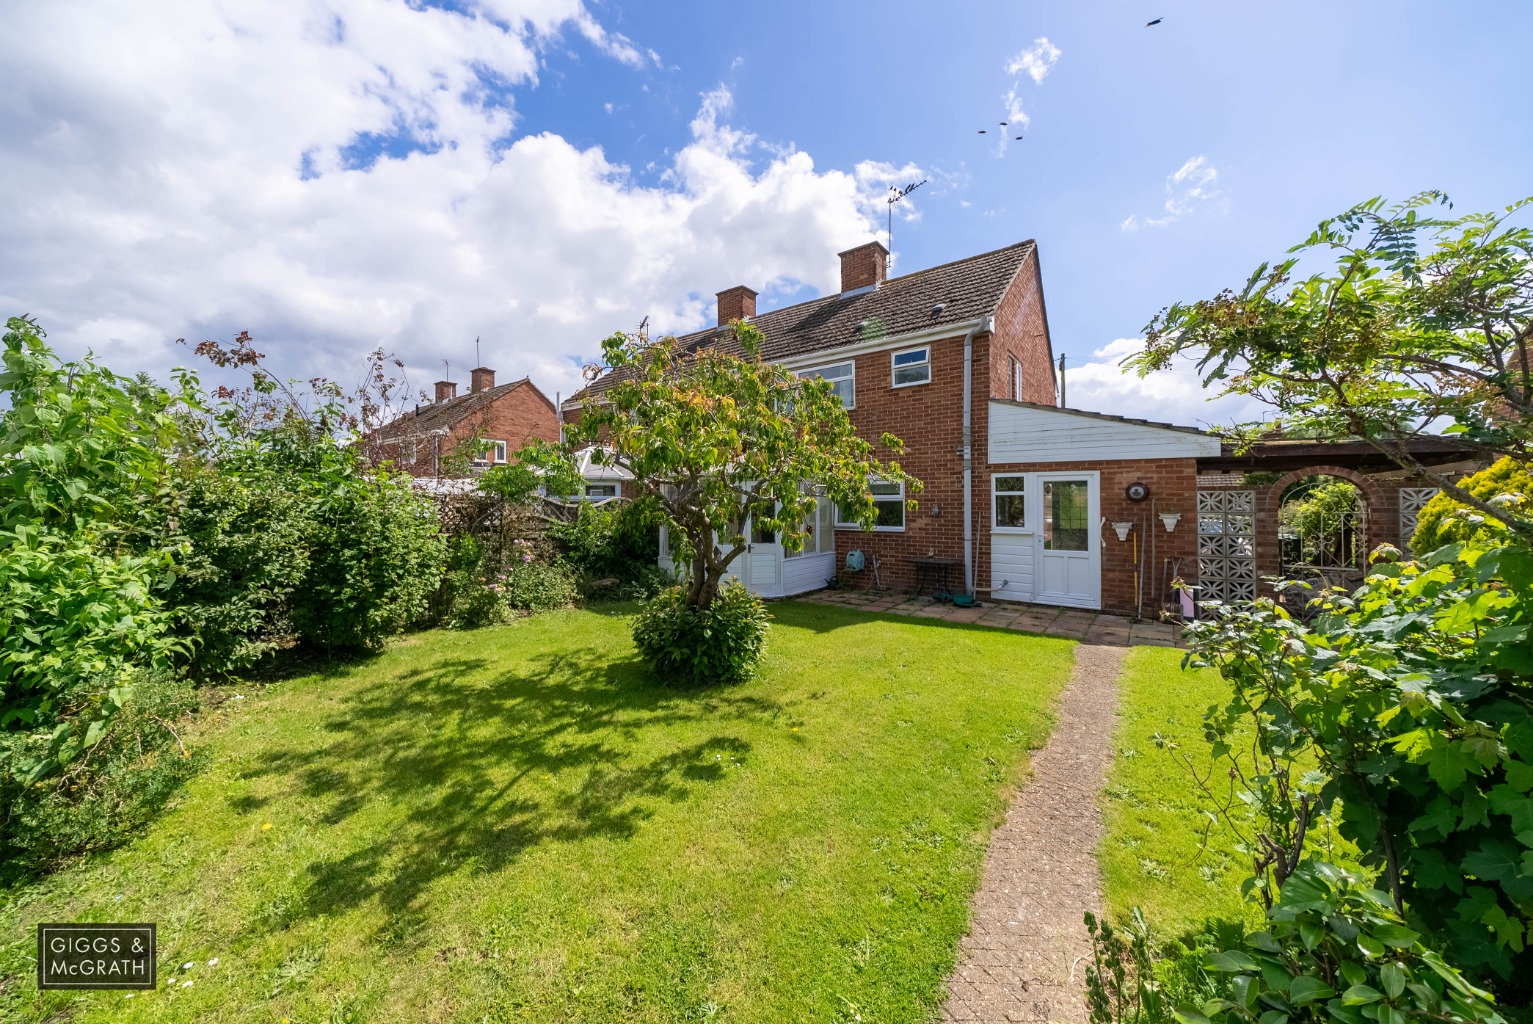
[{"x": 1069, "y": 540}]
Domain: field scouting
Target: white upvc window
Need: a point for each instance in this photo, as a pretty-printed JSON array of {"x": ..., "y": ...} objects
[
  {"x": 912, "y": 366},
  {"x": 821, "y": 537},
  {"x": 843, "y": 379},
  {"x": 889, "y": 497},
  {"x": 601, "y": 490},
  {"x": 1016, "y": 378},
  {"x": 1009, "y": 502},
  {"x": 494, "y": 451}
]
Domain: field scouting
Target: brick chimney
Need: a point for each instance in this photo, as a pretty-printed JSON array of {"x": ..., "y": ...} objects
[
  {"x": 446, "y": 390},
  {"x": 864, "y": 266},
  {"x": 482, "y": 379},
  {"x": 737, "y": 303}
]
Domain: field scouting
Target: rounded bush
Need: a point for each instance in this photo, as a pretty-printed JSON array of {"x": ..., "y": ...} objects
[
  {"x": 714, "y": 646},
  {"x": 1439, "y": 522}
]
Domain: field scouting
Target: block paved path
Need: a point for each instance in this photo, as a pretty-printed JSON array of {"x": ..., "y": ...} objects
[{"x": 1025, "y": 955}]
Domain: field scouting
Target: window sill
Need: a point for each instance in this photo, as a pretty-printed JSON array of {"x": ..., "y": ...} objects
[
  {"x": 912, "y": 384},
  {"x": 854, "y": 528}
]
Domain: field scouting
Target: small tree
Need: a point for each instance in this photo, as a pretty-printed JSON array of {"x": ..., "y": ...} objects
[
  {"x": 719, "y": 439},
  {"x": 1419, "y": 320}
]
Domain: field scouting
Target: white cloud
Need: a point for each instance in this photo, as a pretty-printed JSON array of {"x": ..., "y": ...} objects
[
  {"x": 1036, "y": 61},
  {"x": 1191, "y": 185},
  {"x": 183, "y": 171},
  {"x": 1175, "y": 395}
]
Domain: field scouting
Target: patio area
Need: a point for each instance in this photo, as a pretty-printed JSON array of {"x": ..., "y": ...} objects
[{"x": 1071, "y": 623}]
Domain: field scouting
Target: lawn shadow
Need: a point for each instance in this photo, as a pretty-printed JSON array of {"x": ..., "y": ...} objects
[{"x": 489, "y": 764}]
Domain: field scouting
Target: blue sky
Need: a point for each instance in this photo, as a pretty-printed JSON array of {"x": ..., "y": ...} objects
[{"x": 337, "y": 175}]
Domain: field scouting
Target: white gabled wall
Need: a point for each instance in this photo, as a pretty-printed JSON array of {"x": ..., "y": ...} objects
[{"x": 1022, "y": 433}]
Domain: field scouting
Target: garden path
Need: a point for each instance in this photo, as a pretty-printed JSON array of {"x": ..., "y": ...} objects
[{"x": 1025, "y": 956}]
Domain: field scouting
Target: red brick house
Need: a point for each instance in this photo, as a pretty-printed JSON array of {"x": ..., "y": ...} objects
[
  {"x": 1023, "y": 500},
  {"x": 503, "y": 417}
]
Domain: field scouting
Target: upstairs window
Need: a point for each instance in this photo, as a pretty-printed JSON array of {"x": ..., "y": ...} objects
[
  {"x": 913, "y": 366},
  {"x": 1016, "y": 378},
  {"x": 494, "y": 451},
  {"x": 843, "y": 379}
]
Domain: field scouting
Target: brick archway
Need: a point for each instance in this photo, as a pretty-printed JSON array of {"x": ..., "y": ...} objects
[{"x": 1380, "y": 522}]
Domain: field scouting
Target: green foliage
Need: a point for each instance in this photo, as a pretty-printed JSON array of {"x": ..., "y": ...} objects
[
  {"x": 104, "y": 796},
  {"x": 248, "y": 534},
  {"x": 1335, "y": 950},
  {"x": 613, "y": 541},
  {"x": 1419, "y": 319},
  {"x": 1412, "y": 697},
  {"x": 716, "y": 438},
  {"x": 79, "y": 620},
  {"x": 1132, "y": 980},
  {"x": 375, "y": 561},
  {"x": 1506, "y": 483},
  {"x": 696, "y": 647},
  {"x": 534, "y": 586}
]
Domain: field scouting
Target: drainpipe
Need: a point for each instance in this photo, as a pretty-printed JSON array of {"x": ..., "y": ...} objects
[{"x": 987, "y": 325}]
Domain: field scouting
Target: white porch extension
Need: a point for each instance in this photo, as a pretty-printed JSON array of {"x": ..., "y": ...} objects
[{"x": 767, "y": 570}]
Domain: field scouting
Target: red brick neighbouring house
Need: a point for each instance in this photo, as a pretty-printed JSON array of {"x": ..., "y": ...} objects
[
  {"x": 503, "y": 417},
  {"x": 1024, "y": 500}
]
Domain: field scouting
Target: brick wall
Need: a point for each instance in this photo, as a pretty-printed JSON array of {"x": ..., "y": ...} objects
[
  {"x": 1173, "y": 487},
  {"x": 929, "y": 419},
  {"x": 1022, "y": 332}
]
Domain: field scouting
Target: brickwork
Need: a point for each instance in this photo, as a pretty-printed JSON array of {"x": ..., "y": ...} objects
[
  {"x": 519, "y": 414},
  {"x": 929, "y": 419},
  {"x": 737, "y": 303},
  {"x": 1173, "y": 488},
  {"x": 1022, "y": 333},
  {"x": 863, "y": 266}
]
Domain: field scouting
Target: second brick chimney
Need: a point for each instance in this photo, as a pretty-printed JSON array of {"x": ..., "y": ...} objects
[
  {"x": 737, "y": 303},
  {"x": 864, "y": 266},
  {"x": 446, "y": 391},
  {"x": 482, "y": 379}
]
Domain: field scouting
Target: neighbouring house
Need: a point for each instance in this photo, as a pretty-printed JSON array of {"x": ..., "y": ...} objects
[
  {"x": 497, "y": 418},
  {"x": 1023, "y": 500}
]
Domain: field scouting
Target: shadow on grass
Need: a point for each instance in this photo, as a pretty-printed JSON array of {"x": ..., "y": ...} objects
[{"x": 483, "y": 763}]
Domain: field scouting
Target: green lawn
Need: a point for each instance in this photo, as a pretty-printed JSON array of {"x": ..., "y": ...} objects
[
  {"x": 514, "y": 824},
  {"x": 1161, "y": 853}
]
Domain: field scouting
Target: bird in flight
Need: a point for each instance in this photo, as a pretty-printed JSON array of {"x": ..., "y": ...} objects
[{"x": 1151, "y": 24}]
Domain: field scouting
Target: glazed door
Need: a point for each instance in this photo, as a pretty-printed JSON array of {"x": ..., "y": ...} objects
[{"x": 1069, "y": 540}]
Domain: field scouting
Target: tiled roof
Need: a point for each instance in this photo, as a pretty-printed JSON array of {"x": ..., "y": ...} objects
[
  {"x": 444, "y": 415},
  {"x": 966, "y": 290}
]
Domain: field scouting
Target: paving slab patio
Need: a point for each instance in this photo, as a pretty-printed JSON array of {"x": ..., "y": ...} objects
[{"x": 1070, "y": 623}]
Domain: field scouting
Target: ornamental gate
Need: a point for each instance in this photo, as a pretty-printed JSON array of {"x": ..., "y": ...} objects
[{"x": 1227, "y": 546}]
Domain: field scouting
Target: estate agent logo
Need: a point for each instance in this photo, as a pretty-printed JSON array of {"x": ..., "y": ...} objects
[{"x": 95, "y": 956}]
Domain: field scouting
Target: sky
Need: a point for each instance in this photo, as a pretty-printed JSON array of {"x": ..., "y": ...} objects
[{"x": 338, "y": 175}]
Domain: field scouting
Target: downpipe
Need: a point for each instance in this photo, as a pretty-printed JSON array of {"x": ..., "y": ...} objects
[{"x": 988, "y": 326}]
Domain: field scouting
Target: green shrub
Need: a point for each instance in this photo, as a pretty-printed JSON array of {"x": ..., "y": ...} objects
[
  {"x": 717, "y": 645},
  {"x": 614, "y": 540},
  {"x": 95, "y": 802},
  {"x": 248, "y": 552},
  {"x": 1335, "y": 950},
  {"x": 1403, "y": 710},
  {"x": 376, "y": 560},
  {"x": 1445, "y": 521},
  {"x": 537, "y": 586}
]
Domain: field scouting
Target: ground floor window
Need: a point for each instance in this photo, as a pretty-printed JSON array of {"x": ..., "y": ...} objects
[
  {"x": 821, "y": 537},
  {"x": 889, "y": 498},
  {"x": 601, "y": 490},
  {"x": 1010, "y": 501}
]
